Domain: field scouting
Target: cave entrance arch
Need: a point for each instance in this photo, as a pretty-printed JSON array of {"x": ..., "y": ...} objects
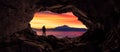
[{"x": 59, "y": 25}]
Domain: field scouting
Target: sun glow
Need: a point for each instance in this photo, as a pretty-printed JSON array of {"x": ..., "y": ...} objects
[{"x": 52, "y": 20}]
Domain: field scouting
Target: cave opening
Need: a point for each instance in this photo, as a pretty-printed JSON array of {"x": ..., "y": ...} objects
[{"x": 59, "y": 25}]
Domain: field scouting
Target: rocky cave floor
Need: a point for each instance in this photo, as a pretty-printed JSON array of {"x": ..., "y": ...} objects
[{"x": 27, "y": 41}]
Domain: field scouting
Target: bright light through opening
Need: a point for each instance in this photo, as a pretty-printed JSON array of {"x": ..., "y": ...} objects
[
  {"x": 59, "y": 22},
  {"x": 52, "y": 20}
]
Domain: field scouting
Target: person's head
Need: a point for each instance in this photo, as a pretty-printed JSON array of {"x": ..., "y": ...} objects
[{"x": 43, "y": 25}]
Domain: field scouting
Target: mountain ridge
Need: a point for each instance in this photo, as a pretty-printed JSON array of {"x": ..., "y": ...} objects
[{"x": 65, "y": 28}]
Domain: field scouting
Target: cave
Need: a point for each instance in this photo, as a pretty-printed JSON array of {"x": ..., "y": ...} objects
[{"x": 101, "y": 17}]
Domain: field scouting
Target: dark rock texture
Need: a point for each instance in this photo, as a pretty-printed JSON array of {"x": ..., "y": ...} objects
[
  {"x": 102, "y": 18},
  {"x": 15, "y": 15}
]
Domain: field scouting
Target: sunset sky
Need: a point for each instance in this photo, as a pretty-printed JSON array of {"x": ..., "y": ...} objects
[{"x": 52, "y": 20}]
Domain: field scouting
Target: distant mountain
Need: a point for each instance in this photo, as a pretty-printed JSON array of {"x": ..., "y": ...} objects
[{"x": 67, "y": 28}]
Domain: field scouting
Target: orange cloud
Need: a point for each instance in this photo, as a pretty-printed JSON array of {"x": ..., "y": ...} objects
[{"x": 52, "y": 20}]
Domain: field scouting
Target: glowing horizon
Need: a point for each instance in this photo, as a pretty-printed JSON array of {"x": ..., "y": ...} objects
[{"x": 52, "y": 20}]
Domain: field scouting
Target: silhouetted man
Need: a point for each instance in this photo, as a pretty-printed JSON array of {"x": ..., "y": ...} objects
[{"x": 44, "y": 31}]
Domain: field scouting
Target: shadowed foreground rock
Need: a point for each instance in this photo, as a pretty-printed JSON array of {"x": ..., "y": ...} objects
[{"x": 101, "y": 17}]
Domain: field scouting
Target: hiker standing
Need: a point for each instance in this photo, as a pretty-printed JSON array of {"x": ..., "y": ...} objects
[{"x": 44, "y": 31}]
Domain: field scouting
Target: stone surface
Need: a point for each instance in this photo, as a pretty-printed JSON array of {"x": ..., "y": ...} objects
[
  {"x": 15, "y": 15},
  {"x": 102, "y": 17}
]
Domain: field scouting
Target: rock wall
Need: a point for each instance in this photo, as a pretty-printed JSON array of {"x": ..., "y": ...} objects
[
  {"x": 15, "y": 15},
  {"x": 102, "y": 17}
]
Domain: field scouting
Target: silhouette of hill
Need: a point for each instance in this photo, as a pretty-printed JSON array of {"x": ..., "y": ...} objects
[{"x": 67, "y": 28}]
